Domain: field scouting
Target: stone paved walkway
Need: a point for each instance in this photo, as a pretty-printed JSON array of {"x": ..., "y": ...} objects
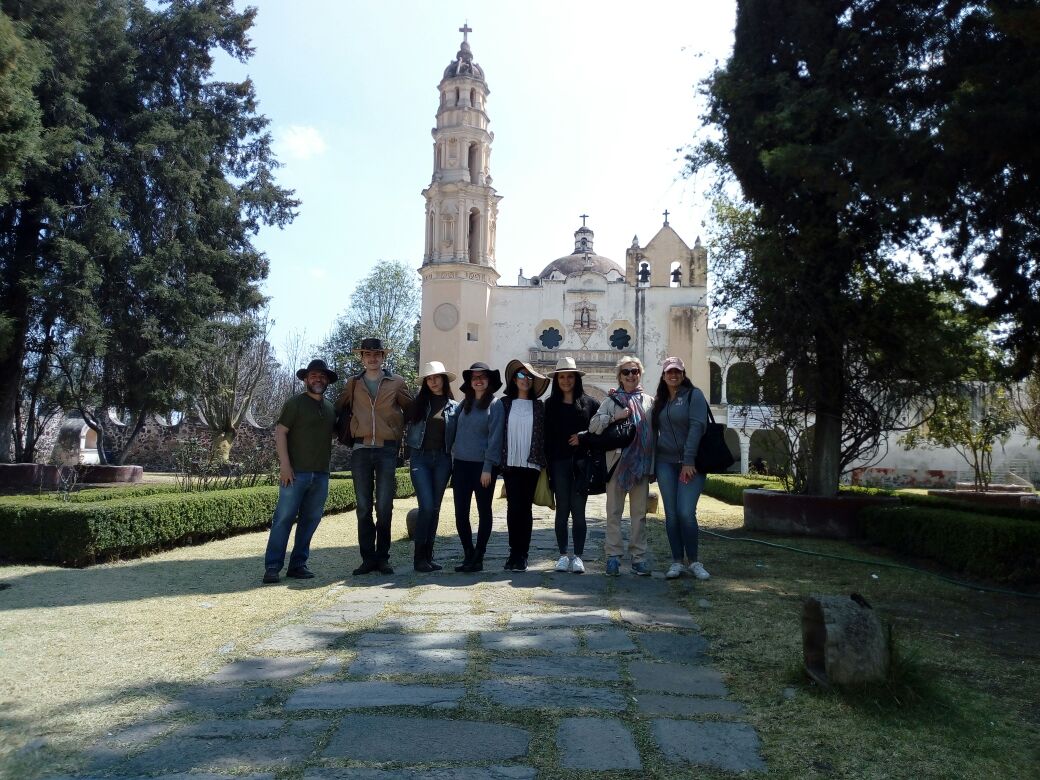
[{"x": 456, "y": 677}]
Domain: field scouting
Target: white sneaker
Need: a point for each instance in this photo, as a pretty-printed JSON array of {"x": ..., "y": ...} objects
[
  {"x": 564, "y": 564},
  {"x": 577, "y": 567},
  {"x": 674, "y": 571},
  {"x": 698, "y": 571}
]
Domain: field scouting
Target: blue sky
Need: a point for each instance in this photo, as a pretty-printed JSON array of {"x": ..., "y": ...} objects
[{"x": 589, "y": 104}]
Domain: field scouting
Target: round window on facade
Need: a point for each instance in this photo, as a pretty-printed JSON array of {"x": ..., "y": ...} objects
[
  {"x": 550, "y": 338},
  {"x": 620, "y": 339}
]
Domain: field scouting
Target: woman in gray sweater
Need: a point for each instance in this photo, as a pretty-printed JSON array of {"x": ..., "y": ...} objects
[{"x": 680, "y": 418}]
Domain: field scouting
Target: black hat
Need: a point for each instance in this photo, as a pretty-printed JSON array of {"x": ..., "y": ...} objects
[
  {"x": 372, "y": 345},
  {"x": 494, "y": 377},
  {"x": 317, "y": 365}
]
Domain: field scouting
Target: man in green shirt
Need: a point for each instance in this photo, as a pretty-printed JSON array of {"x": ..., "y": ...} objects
[{"x": 303, "y": 437}]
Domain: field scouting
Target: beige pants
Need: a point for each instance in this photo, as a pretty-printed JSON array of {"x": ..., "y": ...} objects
[{"x": 637, "y": 497}]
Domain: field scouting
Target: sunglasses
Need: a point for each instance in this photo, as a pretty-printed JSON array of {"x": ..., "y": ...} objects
[
  {"x": 630, "y": 371},
  {"x": 522, "y": 375},
  {"x": 478, "y": 377}
]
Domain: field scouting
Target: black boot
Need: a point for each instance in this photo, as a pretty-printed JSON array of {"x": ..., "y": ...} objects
[
  {"x": 467, "y": 561},
  {"x": 477, "y": 563},
  {"x": 429, "y": 557},
  {"x": 420, "y": 564}
]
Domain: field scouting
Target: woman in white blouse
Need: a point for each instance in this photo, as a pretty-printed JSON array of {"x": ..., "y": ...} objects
[{"x": 523, "y": 454}]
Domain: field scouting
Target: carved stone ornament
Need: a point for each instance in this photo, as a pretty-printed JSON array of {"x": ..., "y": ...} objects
[{"x": 445, "y": 316}]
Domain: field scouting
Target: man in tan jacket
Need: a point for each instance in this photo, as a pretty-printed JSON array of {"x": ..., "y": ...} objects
[{"x": 378, "y": 402}]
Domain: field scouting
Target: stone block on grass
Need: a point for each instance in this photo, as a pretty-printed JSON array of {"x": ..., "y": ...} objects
[
  {"x": 551, "y": 695},
  {"x": 373, "y": 693},
  {"x": 386, "y": 660},
  {"x": 733, "y": 747},
  {"x": 262, "y": 669},
  {"x": 677, "y": 679}
]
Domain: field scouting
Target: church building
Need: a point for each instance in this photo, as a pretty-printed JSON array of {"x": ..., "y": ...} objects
[{"x": 582, "y": 304}]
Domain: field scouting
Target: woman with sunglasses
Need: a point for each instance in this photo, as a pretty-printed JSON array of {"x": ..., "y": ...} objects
[
  {"x": 430, "y": 457},
  {"x": 630, "y": 468},
  {"x": 476, "y": 455},
  {"x": 680, "y": 419},
  {"x": 567, "y": 415},
  {"x": 523, "y": 455}
]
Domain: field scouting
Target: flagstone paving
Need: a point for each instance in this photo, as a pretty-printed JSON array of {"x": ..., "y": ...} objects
[{"x": 455, "y": 677}]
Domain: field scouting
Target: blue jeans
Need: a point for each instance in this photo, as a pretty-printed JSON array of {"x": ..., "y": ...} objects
[
  {"x": 374, "y": 471},
  {"x": 569, "y": 502},
  {"x": 680, "y": 509},
  {"x": 302, "y": 503},
  {"x": 430, "y": 470}
]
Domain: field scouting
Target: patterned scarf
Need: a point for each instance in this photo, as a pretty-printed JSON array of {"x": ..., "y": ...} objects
[{"x": 636, "y": 457}]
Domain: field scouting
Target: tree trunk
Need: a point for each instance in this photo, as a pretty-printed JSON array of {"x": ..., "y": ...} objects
[
  {"x": 128, "y": 445},
  {"x": 843, "y": 641},
  {"x": 221, "y": 448},
  {"x": 825, "y": 466}
]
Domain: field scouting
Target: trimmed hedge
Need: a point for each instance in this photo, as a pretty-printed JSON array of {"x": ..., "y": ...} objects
[
  {"x": 78, "y": 534},
  {"x": 943, "y": 502},
  {"x": 729, "y": 488},
  {"x": 1001, "y": 548}
]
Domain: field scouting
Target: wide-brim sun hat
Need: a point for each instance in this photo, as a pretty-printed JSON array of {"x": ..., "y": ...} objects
[
  {"x": 372, "y": 345},
  {"x": 566, "y": 365},
  {"x": 317, "y": 365},
  {"x": 494, "y": 377},
  {"x": 433, "y": 368},
  {"x": 539, "y": 382}
]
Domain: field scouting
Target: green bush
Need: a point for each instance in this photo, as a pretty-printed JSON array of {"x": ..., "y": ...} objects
[
  {"x": 730, "y": 488},
  {"x": 999, "y": 548},
  {"x": 947, "y": 502},
  {"x": 80, "y": 533}
]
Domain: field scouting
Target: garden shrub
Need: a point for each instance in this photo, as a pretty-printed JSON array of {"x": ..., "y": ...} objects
[
  {"x": 78, "y": 533},
  {"x": 1000, "y": 548},
  {"x": 729, "y": 488},
  {"x": 949, "y": 502}
]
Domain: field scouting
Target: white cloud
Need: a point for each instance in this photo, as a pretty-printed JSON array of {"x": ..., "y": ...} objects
[
  {"x": 316, "y": 273},
  {"x": 300, "y": 142}
]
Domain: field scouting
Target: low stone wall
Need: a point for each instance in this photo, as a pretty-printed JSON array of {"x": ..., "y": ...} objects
[
  {"x": 796, "y": 515},
  {"x": 1017, "y": 498},
  {"x": 877, "y": 476}
]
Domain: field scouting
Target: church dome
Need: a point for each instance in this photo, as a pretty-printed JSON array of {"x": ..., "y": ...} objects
[
  {"x": 464, "y": 66},
  {"x": 582, "y": 258}
]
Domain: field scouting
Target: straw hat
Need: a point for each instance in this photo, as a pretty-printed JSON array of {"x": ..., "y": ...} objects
[
  {"x": 567, "y": 365},
  {"x": 433, "y": 368},
  {"x": 539, "y": 383},
  {"x": 494, "y": 377}
]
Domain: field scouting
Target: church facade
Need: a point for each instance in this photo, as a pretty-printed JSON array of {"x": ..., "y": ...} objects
[{"x": 582, "y": 304}]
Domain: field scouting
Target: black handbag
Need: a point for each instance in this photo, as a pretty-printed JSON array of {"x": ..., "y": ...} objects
[
  {"x": 616, "y": 436},
  {"x": 713, "y": 455},
  {"x": 590, "y": 473}
]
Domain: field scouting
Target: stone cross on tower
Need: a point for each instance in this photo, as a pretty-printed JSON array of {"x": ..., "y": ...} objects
[
  {"x": 666, "y": 216},
  {"x": 583, "y": 218},
  {"x": 465, "y": 30}
]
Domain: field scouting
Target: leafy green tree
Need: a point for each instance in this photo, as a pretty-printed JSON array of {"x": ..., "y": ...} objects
[
  {"x": 20, "y": 126},
  {"x": 385, "y": 304},
  {"x": 142, "y": 226},
  {"x": 819, "y": 120},
  {"x": 986, "y": 103},
  {"x": 970, "y": 422},
  {"x": 1025, "y": 396}
]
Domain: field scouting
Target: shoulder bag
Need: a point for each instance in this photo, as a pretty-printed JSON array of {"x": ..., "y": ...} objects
[{"x": 713, "y": 455}]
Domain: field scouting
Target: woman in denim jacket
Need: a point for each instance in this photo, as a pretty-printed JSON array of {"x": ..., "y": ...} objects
[{"x": 430, "y": 434}]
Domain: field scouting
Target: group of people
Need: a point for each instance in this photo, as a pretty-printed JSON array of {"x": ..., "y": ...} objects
[{"x": 472, "y": 441}]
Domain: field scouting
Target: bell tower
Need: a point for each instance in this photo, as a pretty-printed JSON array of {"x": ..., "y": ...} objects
[{"x": 458, "y": 268}]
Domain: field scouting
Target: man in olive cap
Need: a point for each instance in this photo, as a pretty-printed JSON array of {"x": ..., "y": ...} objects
[{"x": 303, "y": 438}]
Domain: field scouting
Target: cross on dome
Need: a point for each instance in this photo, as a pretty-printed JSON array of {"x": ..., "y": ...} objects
[
  {"x": 583, "y": 218},
  {"x": 465, "y": 30}
]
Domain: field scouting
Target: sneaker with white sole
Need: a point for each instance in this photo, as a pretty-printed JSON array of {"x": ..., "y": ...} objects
[
  {"x": 674, "y": 571},
  {"x": 613, "y": 567},
  {"x": 641, "y": 568},
  {"x": 698, "y": 571},
  {"x": 577, "y": 567},
  {"x": 564, "y": 564}
]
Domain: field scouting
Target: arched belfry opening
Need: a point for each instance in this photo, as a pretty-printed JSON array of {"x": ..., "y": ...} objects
[
  {"x": 474, "y": 163},
  {"x": 474, "y": 235}
]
